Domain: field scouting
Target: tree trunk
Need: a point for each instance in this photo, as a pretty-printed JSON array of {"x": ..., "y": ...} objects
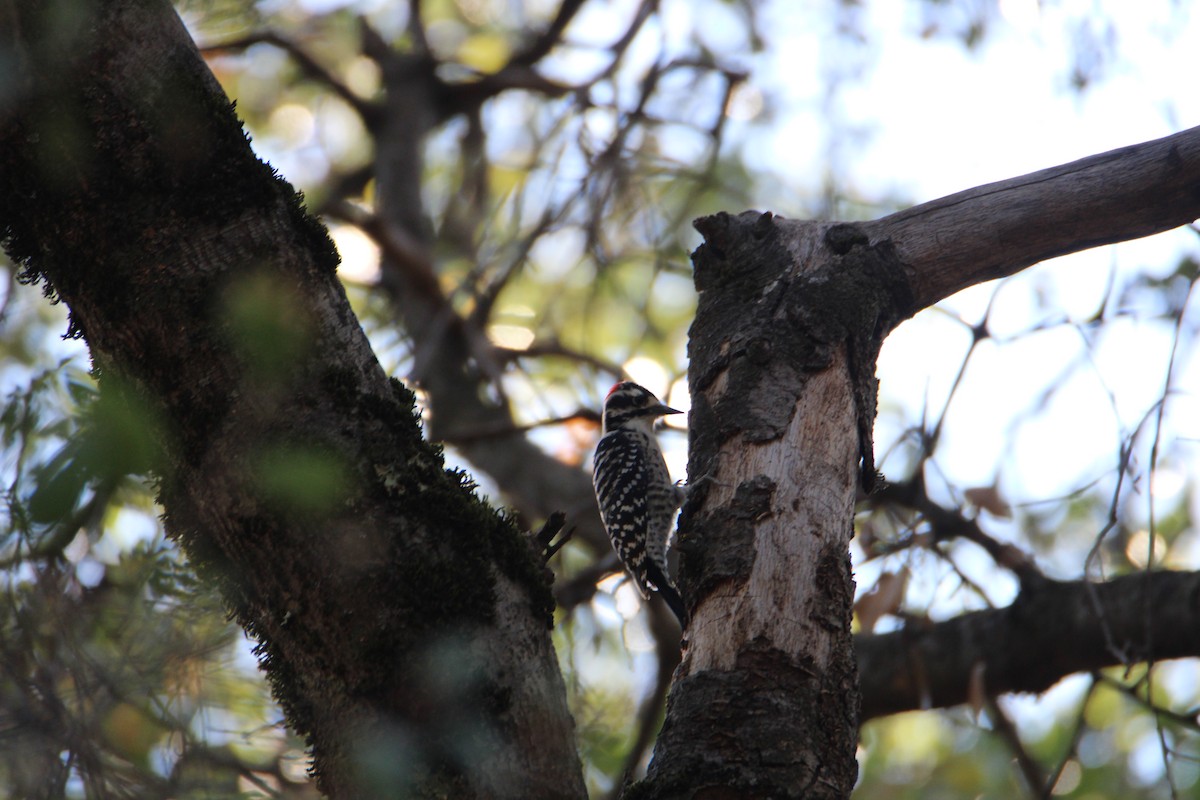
[
  {"x": 403, "y": 625},
  {"x": 789, "y": 324},
  {"x": 765, "y": 702}
]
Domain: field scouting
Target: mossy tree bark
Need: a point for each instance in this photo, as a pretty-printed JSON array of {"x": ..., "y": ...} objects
[{"x": 404, "y": 626}]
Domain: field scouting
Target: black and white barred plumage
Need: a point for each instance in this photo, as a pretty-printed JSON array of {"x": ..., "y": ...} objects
[{"x": 637, "y": 498}]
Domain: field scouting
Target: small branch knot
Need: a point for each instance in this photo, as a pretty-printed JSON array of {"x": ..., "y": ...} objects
[
  {"x": 843, "y": 237},
  {"x": 763, "y": 225}
]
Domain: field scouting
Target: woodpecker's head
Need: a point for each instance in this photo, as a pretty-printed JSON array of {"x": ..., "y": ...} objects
[{"x": 629, "y": 405}]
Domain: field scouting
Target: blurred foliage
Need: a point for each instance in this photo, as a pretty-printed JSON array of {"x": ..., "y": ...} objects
[
  {"x": 564, "y": 222},
  {"x": 121, "y": 675}
]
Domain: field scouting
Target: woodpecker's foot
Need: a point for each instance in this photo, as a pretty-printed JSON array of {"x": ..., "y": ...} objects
[
  {"x": 698, "y": 486},
  {"x": 551, "y": 528},
  {"x": 709, "y": 478}
]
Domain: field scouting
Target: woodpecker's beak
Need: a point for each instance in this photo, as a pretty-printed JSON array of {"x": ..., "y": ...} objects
[{"x": 662, "y": 411}]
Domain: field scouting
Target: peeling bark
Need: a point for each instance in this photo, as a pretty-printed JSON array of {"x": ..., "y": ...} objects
[{"x": 765, "y": 702}]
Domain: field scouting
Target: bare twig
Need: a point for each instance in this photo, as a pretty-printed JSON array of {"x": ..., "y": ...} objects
[
  {"x": 416, "y": 28},
  {"x": 308, "y": 65},
  {"x": 552, "y": 527},
  {"x": 1032, "y": 771},
  {"x": 949, "y": 524},
  {"x": 1080, "y": 726},
  {"x": 466, "y": 435},
  {"x": 541, "y": 45},
  {"x": 554, "y": 348},
  {"x": 581, "y": 587}
]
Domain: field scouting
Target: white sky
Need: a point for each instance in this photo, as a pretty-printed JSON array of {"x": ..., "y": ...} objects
[
  {"x": 941, "y": 119},
  {"x": 922, "y": 118}
]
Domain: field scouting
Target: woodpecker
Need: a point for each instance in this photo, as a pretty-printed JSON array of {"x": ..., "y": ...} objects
[{"x": 636, "y": 496}]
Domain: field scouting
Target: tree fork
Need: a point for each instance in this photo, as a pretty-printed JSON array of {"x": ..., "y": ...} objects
[
  {"x": 790, "y": 319},
  {"x": 782, "y": 350}
]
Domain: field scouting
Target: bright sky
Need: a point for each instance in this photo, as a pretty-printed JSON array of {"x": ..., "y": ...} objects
[
  {"x": 939, "y": 119},
  {"x": 921, "y": 118}
]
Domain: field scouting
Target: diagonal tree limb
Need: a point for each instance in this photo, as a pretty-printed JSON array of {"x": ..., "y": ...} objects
[
  {"x": 1026, "y": 763},
  {"x": 1001, "y": 228},
  {"x": 665, "y": 630},
  {"x": 157, "y": 225},
  {"x": 952, "y": 523},
  {"x": 541, "y": 45}
]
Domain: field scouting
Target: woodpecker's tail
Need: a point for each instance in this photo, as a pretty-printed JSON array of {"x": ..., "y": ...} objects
[{"x": 668, "y": 592}]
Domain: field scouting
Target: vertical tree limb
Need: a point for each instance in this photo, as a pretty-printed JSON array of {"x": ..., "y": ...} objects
[{"x": 765, "y": 702}]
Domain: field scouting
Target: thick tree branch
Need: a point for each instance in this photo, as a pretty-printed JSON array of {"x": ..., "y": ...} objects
[
  {"x": 292, "y": 470},
  {"x": 1001, "y": 228},
  {"x": 1052, "y": 630}
]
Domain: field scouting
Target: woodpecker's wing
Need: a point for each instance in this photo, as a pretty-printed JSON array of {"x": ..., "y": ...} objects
[{"x": 622, "y": 485}]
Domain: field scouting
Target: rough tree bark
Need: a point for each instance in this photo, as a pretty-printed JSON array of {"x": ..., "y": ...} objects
[
  {"x": 403, "y": 625},
  {"x": 790, "y": 320},
  {"x": 765, "y": 702}
]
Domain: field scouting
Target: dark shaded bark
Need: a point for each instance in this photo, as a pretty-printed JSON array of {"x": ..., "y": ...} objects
[
  {"x": 1052, "y": 630},
  {"x": 403, "y": 625}
]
